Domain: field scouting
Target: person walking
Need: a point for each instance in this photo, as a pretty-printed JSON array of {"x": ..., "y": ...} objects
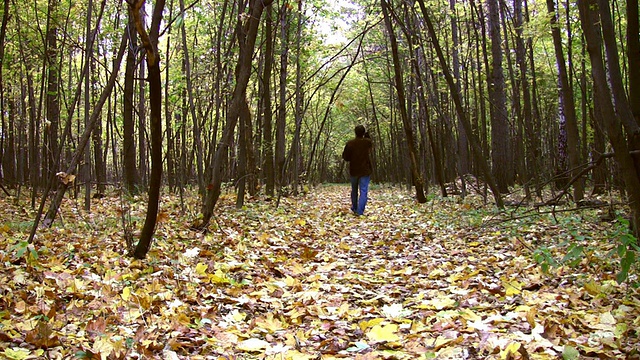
[{"x": 356, "y": 152}]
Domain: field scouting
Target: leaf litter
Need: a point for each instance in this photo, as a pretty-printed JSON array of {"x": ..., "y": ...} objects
[{"x": 309, "y": 280}]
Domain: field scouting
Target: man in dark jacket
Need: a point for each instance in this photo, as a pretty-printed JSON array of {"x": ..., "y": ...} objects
[{"x": 356, "y": 152}]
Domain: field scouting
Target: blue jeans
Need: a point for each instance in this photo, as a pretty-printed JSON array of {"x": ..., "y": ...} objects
[{"x": 359, "y": 202}]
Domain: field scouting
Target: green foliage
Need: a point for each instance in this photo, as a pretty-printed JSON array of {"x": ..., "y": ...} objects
[
  {"x": 626, "y": 250},
  {"x": 22, "y": 248},
  {"x": 545, "y": 259}
]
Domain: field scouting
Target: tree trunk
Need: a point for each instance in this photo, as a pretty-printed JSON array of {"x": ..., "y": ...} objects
[
  {"x": 417, "y": 180},
  {"x": 473, "y": 140},
  {"x": 528, "y": 162},
  {"x": 53, "y": 85},
  {"x": 150, "y": 43},
  {"x": 567, "y": 106},
  {"x": 268, "y": 162},
  {"x": 619, "y": 96},
  {"x": 66, "y": 179},
  {"x": 131, "y": 176},
  {"x": 247, "y": 38},
  {"x": 281, "y": 120},
  {"x": 86, "y": 167},
  {"x": 192, "y": 109},
  {"x": 611, "y": 116},
  {"x": 633, "y": 48},
  {"x": 500, "y": 135}
]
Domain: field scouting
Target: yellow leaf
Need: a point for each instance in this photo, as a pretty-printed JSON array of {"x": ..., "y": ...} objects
[
  {"x": 103, "y": 347},
  {"x": 270, "y": 324},
  {"x": 16, "y": 353},
  {"x": 593, "y": 288},
  {"x": 290, "y": 281},
  {"x": 441, "y": 342},
  {"x": 512, "y": 287},
  {"x": 370, "y": 323},
  {"x": 469, "y": 315},
  {"x": 439, "y": 303},
  {"x": 253, "y": 344},
  {"x": 126, "y": 293},
  {"x": 201, "y": 269},
  {"x": 436, "y": 273},
  {"x": 383, "y": 333},
  {"x": 219, "y": 277},
  {"x": 473, "y": 244},
  {"x": 511, "y": 350},
  {"x": 296, "y": 355}
]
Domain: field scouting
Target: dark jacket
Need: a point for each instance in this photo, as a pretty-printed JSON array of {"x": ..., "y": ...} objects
[{"x": 356, "y": 152}]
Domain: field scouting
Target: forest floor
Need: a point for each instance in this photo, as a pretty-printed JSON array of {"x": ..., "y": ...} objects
[{"x": 449, "y": 279}]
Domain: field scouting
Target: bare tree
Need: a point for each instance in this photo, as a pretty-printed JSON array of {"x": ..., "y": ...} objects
[{"x": 150, "y": 43}]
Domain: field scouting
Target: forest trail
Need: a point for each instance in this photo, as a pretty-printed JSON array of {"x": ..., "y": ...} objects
[{"x": 308, "y": 280}]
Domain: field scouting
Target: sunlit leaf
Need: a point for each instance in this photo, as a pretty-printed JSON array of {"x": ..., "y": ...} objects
[
  {"x": 382, "y": 333},
  {"x": 253, "y": 344}
]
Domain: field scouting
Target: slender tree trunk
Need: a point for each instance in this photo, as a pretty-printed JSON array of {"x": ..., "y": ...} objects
[
  {"x": 171, "y": 162},
  {"x": 500, "y": 134},
  {"x": 192, "y": 109},
  {"x": 3, "y": 126},
  {"x": 619, "y": 96},
  {"x": 247, "y": 38},
  {"x": 473, "y": 140},
  {"x": 268, "y": 162},
  {"x": 526, "y": 121},
  {"x": 86, "y": 167},
  {"x": 131, "y": 176},
  {"x": 422, "y": 101},
  {"x": 99, "y": 158},
  {"x": 52, "y": 97},
  {"x": 150, "y": 44},
  {"x": 281, "y": 120},
  {"x": 66, "y": 179},
  {"x": 633, "y": 48},
  {"x": 143, "y": 170},
  {"x": 613, "y": 117},
  {"x": 567, "y": 106},
  {"x": 417, "y": 180}
]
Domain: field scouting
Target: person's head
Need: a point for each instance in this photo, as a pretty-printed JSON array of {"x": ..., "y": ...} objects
[{"x": 360, "y": 131}]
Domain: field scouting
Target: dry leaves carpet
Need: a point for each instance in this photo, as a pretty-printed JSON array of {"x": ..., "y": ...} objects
[{"x": 311, "y": 281}]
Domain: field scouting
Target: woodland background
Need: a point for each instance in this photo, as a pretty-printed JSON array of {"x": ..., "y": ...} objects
[
  {"x": 515, "y": 124},
  {"x": 263, "y": 95}
]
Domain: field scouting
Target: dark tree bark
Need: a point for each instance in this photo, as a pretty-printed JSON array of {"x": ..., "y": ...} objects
[
  {"x": 247, "y": 34},
  {"x": 417, "y": 179},
  {"x": 474, "y": 142},
  {"x": 197, "y": 138},
  {"x": 3, "y": 125},
  {"x": 567, "y": 106},
  {"x": 267, "y": 114},
  {"x": 143, "y": 170},
  {"x": 422, "y": 102},
  {"x": 500, "y": 135},
  {"x": 86, "y": 167},
  {"x": 614, "y": 118},
  {"x": 53, "y": 85},
  {"x": 66, "y": 179},
  {"x": 528, "y": 163},
  {"x": 633, "y": 48},
  {"x": 168, "y": 117},
  {"x": 130, "y": 167},
  {"x": 619, "y": 96},
  {"x": 281, "y": 120},
  {"x": 150, "y": 44}
]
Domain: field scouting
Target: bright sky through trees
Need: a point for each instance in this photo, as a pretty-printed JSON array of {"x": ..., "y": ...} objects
[{"x": 334, "y": 23}]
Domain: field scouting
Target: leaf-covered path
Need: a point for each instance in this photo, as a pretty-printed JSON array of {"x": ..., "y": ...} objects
[{"x": 311, "y": 281}]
